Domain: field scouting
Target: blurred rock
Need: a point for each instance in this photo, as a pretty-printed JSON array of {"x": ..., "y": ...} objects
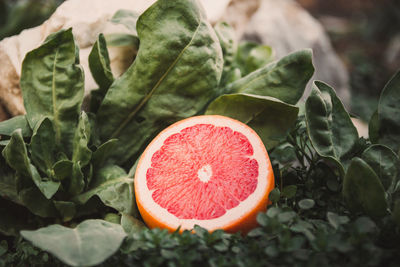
[
  {"x": 392, "y": 54},
  {"x": 287, "y": 27}
]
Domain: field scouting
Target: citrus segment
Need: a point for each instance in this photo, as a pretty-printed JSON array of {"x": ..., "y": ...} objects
[{"x": 207, "y": 170}]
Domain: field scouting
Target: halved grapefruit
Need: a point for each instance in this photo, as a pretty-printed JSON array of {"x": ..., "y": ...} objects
[{"x": 210, "y": 170}]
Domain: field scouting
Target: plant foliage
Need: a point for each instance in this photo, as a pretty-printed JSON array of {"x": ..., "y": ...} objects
[{"x": 66, "y": 182}]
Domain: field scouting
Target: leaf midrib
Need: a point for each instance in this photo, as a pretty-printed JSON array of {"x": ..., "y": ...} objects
[
  {"x": 150, "y": 94},
  {"x": 54, "y": 98}
]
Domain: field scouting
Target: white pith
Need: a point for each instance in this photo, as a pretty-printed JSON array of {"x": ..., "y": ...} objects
[
  {"x": 143, "y": 194},
  {"x": 205, "y": 173}
]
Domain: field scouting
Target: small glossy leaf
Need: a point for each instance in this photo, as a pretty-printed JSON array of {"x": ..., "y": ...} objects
[
  {"x": 242, "y": 54},
  {"x": 363, "y": 191},
  {"x": 286, "y": 216},
  {"x": 329, "y": 126},
  {"x": 18, "y": 122},
  {"x": 389, "y": 114},
  {"x": 62, "y": 169},
  {"x": 275, "y": 195},
  {"x": 268, "y": 116},
  {"x": 99, "y": 64},
  {"x": 160, "y": 88},
  {"x": 385, "y": 163},
  {"x": 46, "y": 185},
  {"x": 285, "y": 79},
  {"x": 52, "y": 86},
  {"x": 335, "y": 220},
  {"x": 127, "y": 18},
  {"x": 289, "y": 191},
  {"x": 306, "y": 204},
  {"x": 43, "y": 145},
  {"x": 90, "y": 243},
  {"x": 81, "y": 153}
]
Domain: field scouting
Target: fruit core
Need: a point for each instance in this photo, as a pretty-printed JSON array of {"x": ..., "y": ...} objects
[{"x": 202, "y": 171}]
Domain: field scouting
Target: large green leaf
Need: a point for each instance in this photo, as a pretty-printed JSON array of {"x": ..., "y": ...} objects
[
  {"x": 16, "y": 156},
  {"x": 226, "y": 37},
  {"x": 285, "y": 79},
  {"x": 114, "y": 189},
  {"x": 389, "y": 114},
  {"x": 99, "y": 64},
  {"x": 90, "y": 243},
  {"x": 43, "y": 145},
  {"x": 268, "y": 116},
  {"x": 174, "y": 75},
  {"x": 8, "y": 183},
  {"x": 329, "y": 126},
  {"x": 37, "y": 203},
  {"x": 363, "y": 191},
  {"x": 52, "y": 86},
  {"x": 385, "y": 163},
  {"x": 81, "y": 153},
  {"x": 18, "y": 122}
]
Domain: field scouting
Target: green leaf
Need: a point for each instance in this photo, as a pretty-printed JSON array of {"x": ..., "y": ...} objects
[
  {"x": 373, "y": 128},
  {"x": 52, "y": 86},
  {"x": 99, "y": 64},
  {"x": 289, "y": 191},
  {"x": 37, "y": 203},
  {"x": 66, "y": 209},
  {"x": 114, "y": 189},
  {"x": 130, "y": 224},
  {"x": 160, "y": 88},
  {"x": 43, "y": 145},
  {"x": 329, "y": 126},
  {"x": 285, "y": 79},
  {"x": 268, "y": 116},
  {"x": 16, "y": 156},
  {"x": 90, "y": 243},
  {"x": 8, "y": 183},
  {"x": 126, "y": 18},
  {"x": 122, "y": 39},
  {"x": 81, "y": 153},
  {"x": 76, "y": 183},
  {"x": 242, "y": 54},
  {"x": 226, "y": 37},
  {"x": 385, "y": 164},
  {"x": 18, "y": 122},
  {"x": 389, "y": 114},
  {"x": 335, "y": 220},
  {"x": 258, "y": 57},
  {"x": 275, "y": 195},
  {"x": 363, "y": 191},
  {"x": 62, "y": 169},
  {"x": 306, "y": 204},
  {"x": 100, "y": 156}
]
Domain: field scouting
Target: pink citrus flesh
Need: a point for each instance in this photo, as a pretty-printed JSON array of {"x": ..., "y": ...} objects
[{"x": 210, "y": 170}]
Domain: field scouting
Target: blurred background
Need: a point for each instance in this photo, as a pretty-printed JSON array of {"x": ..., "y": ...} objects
[{"x": 364, "y": 33}]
